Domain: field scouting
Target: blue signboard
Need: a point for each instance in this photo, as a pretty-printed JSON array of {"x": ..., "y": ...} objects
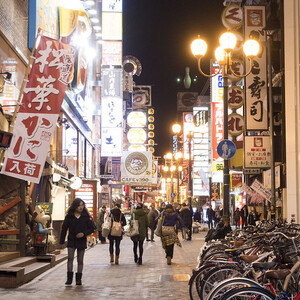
[{"x": 226, "y": 149}]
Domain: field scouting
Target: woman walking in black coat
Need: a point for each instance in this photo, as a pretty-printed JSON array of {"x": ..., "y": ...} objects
[
  {"x": 80, "y": 224},
  {"x": 116, "y": 216}
]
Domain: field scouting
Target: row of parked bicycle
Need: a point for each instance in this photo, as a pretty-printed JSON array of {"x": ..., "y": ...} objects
[{"x": 257, "y": 262}]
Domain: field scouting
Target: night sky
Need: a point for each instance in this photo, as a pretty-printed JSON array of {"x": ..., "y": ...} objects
[{"x": 159, "y": 34}]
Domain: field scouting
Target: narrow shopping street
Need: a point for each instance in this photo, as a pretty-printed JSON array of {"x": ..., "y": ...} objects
[{"x": 102, "y": 280}]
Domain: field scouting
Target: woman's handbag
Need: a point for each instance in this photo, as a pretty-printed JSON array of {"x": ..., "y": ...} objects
[
  {"x": 158, "y": 230},
  {"x": 116, "y": 228},
  {"x": 134, "y": 227},
  {"x": 106, "y": 226},
  {"x": 168, "y": 230}
]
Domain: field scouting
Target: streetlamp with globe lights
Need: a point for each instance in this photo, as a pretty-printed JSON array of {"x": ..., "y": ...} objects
[{"x": 224, "y": 57}]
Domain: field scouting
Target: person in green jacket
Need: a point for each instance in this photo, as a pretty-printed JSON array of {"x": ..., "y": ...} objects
[{"x": 138, "y": 240}]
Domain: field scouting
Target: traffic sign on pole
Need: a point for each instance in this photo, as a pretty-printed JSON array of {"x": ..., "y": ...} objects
[{"x": 226, "y": 149}]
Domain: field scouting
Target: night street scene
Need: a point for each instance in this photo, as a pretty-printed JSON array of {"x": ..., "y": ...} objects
[{"x": 150, "y": 149}]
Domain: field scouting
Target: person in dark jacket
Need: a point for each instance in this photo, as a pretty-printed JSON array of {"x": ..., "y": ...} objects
[
  {"x": 100, "y": 221},
  {"x": 186, "y": 217},
  {"x": 80, "y": 224},
  {"x": 140, "y": 214},
  {"x": 197, "y": 216},
  {"x": 210, "y": 213},
  {"x": 244, "y": 215},
  {"x": 116, "y": 216},
  {"x": 237, "y": 216},
  {"x": 169, "y": 219},
  {"x": 253, "y": 216},
  {"x": 152, "y": 215}
]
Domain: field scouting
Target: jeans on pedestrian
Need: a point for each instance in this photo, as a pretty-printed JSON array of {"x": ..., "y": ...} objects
[
  {"x": 210, "y": 224},
  {"x": 169, "y": 250},
  {"x": 111, "y": 247},
  {"x": 140, "y": 245},
  {"x": 80, "y": 255},
  {"x": 184, "y": 232}
]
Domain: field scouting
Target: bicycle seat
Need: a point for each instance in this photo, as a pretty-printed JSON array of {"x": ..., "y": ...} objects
[
  {"x": 277, "y": 274},
  {"x": 249, "y": 258},
  {"x": 237, "y": 243},
  {"x": 264, "y": 265},
  {"x": 233, "y": 251}
]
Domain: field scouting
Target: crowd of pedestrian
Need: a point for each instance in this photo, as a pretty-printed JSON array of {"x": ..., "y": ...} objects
[{"x": 164, "y": 222}]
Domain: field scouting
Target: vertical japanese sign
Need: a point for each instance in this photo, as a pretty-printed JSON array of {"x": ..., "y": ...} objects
[
  {"x": 43, "y": 94},
  {"x": 217, "y": 115},
  {"x": 256, "y": 81}
]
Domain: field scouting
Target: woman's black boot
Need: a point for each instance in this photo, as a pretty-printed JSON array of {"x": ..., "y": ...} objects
[
  {"x": 69, "y": 278},
  {"x": 140, "y": 261},
  {"x": 78, "y": 278},
  {"x": 135, "y": 258}
]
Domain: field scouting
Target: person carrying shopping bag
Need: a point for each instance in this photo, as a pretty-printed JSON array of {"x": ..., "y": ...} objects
[
  {"x": 115, "y": 236},
  {"x": 168, "y": 234},
  {"x": 138, "y": 240},
  {"x": 80, "y": 224}
]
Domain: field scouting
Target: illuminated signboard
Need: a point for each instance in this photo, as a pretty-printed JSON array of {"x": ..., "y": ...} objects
[
  {"x": 42, "y": 14},
  {"x": 217, "y": 121},
  {"x": 112, "y": 112},
  {"x": 111, "y": 82},
  {"x": 112, "y": 5},
  {"x": 201, "y": 152},
  {"x": 112, "y": 26},
  {"x": 112, "y": 53},
  {"x": 137, "y": 119},
  {"x": 188, "y": 126},
  {"x": 136, "y": 136},
  {"x": 111, "y": 142}
]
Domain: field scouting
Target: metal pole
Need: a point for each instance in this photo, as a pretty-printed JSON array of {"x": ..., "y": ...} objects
[
  {"x": 269, "y": 45},
  {"x": 178, "y": 196},
  {"x": 172, "y": 188},
  {"x": 226, "y": 176},
  {"x": 190, "y": 185}
]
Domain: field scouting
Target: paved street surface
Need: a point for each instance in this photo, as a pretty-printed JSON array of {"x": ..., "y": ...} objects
[{"x": 101, "y": 280}]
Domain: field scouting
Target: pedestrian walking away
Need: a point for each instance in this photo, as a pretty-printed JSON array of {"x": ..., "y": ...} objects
[
  {"x": 244, "y": 215},
  {"x": 210, "y": 214},
  {"x": 237, "y": 216},
  {"x": 100, "y": 221},
  {"x": 186, "y": 217},
  {"x": 168, "y": 235},
  {"x": 152, "y": 215},
  {"x": 138, "y": 240},
  {"x": 79, "y": 223},
  {"x": 115, "y": 240}
]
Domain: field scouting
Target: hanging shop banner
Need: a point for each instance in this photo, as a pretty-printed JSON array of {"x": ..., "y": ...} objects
[
  {"x": 112, "y": 5},
  {"x": 188, "y": 128},
  {"x": 43, "y": 94},
  {"x": 256, "y": 81},
  {"x": 136, "y": 168},
  {"x": 257, "y": 152},
  {"x": 154, "y": 172},
  {"x": 259, "y": 188},
  {"x": 236, "y": 179},
  {"x": 217, "y": 127},
  {"x": 235, "y": 124},
  {"x": 215, "y": 192},
  {"x": 111, "y": 82}
]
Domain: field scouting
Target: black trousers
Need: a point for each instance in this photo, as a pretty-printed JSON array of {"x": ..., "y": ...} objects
[
  {"x": 101, "y": 237},
  {"x": 139, "y": 244},
  {"x": 111, "y": 246},
  {"x": 210, "y": 224},
  {"x": 169, "y": 250}
]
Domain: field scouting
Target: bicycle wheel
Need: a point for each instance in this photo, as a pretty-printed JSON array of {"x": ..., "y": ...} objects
[
  {"x": 249, "y": 292},
  {"x": 215, "y": 276},
  {"x": 196, "y": 279},
  {"x": 232, "y": 283}
]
